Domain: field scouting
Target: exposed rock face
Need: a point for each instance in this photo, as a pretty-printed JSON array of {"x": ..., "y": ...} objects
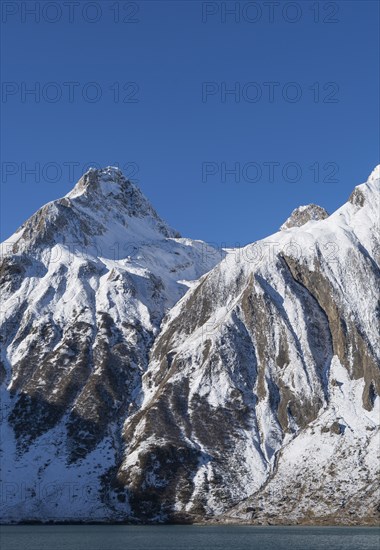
[
  {"x": 304, "y": 214},
  {"x": 256, "y": 397}
]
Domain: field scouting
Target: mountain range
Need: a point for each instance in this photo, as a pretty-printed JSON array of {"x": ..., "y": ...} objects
[{"x": 147, "y": 377}]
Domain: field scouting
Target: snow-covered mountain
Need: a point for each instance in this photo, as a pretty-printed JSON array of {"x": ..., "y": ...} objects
[
  {"x": 85, "y": 284},
  {"x": 148, "y": 377}
]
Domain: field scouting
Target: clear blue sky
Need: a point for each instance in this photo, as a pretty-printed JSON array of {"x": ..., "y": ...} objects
[{"x": 322, "y": 108}]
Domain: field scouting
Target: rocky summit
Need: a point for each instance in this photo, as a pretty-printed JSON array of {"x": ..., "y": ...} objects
[
  {"x": 147, "y": 377},
  {"x": 304, "y": 214}
]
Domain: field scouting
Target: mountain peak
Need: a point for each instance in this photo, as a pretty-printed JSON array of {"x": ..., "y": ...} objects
[
  {"x": 104, "y": 181},
  {"x": 304, "y": 214},
  {"x": 103, "y": 206},
  {"x": 375, "y": 174},
  {"x": 108, "y": 191},
  {"x": 368, "y": 191}
]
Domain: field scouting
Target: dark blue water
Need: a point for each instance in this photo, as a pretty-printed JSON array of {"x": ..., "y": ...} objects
[{"x": 122, "y": 537}]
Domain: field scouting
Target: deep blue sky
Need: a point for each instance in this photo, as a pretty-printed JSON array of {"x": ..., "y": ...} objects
[{"x": 170, "y": 132}]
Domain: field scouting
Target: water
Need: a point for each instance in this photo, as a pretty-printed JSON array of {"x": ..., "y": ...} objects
[{"x": 177, "y": 537}]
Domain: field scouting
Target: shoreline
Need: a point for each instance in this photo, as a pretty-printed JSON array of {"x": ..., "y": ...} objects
[{"x": 211, "y": 523}]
